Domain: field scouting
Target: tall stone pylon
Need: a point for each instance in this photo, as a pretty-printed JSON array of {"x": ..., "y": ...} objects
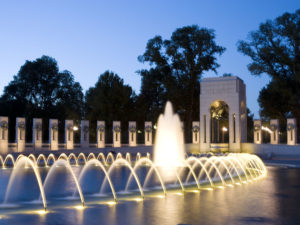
[
  {"x": 291, "y": 131},
  {"x": 132, "y": 133},
  {"x": 100, "y": 134},
  {"x": 116, "y": 134},
  {"x": 53, "y": 134},
  {"x": 20, "y": 133},
  {"x": 69, "y": 134},
  {"x": 3, "y": 135},
  {"x": 37, "y": 133},
  {"x": 148, "y": 133},
  {"x": 257, "y": 132}
]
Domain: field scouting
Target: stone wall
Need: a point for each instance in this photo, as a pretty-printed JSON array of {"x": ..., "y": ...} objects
[
  {"x": 263, "y": 150},
  {"x": 268, "y": 150}
]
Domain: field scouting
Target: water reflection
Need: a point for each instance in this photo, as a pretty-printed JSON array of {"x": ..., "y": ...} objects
[{"x": 273, "y": 200}]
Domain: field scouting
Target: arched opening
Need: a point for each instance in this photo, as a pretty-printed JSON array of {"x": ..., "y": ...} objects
[{"x": 219, "y": 114}]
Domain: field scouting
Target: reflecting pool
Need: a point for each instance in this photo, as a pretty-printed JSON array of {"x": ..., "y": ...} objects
[{"x": 272, "y": 200}]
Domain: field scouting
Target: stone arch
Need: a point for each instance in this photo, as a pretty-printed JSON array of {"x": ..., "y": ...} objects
[{"x": 232, "y": 91}]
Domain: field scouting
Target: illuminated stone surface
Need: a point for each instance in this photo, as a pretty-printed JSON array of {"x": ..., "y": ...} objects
[
  {"x": 100, "y": 134},
  {"x": 232, "y": 91}
]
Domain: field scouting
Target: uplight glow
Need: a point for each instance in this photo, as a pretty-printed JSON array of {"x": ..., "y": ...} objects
[
  {"x": 160, "y": 196},
  {"x": 111, "y": 203},
  {"x": 79, "y": 207},
  {"x": 41, "y": 212}
]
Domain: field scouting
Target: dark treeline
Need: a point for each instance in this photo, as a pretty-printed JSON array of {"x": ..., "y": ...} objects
[
  {"x": 177, "y": 64},
  {"x": 274, "y": 50}
]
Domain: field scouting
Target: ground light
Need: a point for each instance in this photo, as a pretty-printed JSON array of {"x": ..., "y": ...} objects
[
  {"x": 110, "y": 203},
  {"x": 208, "y": 189},
  {"x": 160, "y": 196},
  {"x": 79, "y": 207},
  {"x": 41, "y": 212}
]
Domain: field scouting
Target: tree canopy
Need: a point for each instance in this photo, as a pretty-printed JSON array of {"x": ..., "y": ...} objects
[
  {"x": 110, "y": 99},
  {"x": 275, "y": 50},
  {"x": 177, "y": 65},
  {"x": 40, "y": 90},
  {"x": 275, "y": 47}
]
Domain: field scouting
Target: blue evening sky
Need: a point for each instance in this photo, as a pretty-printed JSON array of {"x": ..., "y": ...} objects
[{"x": 89, "y": 37}]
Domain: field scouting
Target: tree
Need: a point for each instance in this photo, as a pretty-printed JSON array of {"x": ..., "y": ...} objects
[
  {"x": 40, "y": 90},
  {"x": 250, "y": 126},
  {"x": 227, "y": 75},
  {"x": 275, "y": 100},
  {"x": 275, "y": 50},
  {"x": 157, "y": 87},
  {"x": 177, "y": 66},
  {"x": 110, "y": 100}
]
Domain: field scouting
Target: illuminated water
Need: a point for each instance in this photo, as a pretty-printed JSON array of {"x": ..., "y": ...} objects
[
  {"x": 272, "y": 200},
  {"x": 169, "y": 144},
  {"x": 143, "y": 190}
]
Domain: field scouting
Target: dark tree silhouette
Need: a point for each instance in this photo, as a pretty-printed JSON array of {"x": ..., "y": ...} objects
[
  {"x": 110, "y": 99},
  {"x": 275, "y": 50},
  {"x": 40, "y": 90},
  {"x": 176, "y": 69}
]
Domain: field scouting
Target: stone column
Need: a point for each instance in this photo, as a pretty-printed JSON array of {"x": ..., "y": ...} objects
[
  {"x": 3, "y": 135},
  {"x": 85, "y": 134},
  {"x": 257, "y": 132},
  {"x": 274, "y": 136},
  {"x": 132, "y": 133},
  {"x": 148, "y": 133},
  {"x": 20, "y": 133},
  {"x": 37, "y": 133},
  {"x": 231, "y": 118},
  {"x": 204, "y": 130},
  {"x": 291, "y": 131},
  {"x": 69, "y": 134},
  {"x": 196, "y": 132},
  {"x": 116, "y": 134},
  {"x": 53, "y": 134},
  {"x": 100, "y": 134}
]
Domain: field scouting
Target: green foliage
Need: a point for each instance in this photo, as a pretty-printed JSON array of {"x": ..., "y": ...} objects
[
  {"x": 275, "y": 50},
  {"x": 227, "y": 75},
  {"x": 110, "y": 99},
  {"x": 276, "y": 100},
  {"x": 176, "y": 68},
  {"x": 40, "y": 90},
  {"x": 250, "y": 126}
]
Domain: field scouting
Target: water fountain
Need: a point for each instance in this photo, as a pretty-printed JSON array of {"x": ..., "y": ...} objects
[
  {"x": 169, "y": 144},
  {"x": 121, "y": 175},
  {"x": 205, "y": 172}
]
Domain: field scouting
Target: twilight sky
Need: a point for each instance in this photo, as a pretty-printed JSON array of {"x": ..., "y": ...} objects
[{"x": 89, "y": 37}]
